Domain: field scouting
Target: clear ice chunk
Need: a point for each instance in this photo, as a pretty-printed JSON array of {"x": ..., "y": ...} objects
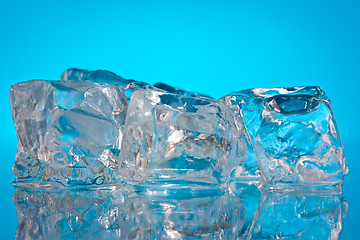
[
  {"x": 100, "y": 76},
  {"x": 104, "y": 76},
  {"x": 69, "y": 132},
  {"x": 294, "y": 133},
  {"x": 175, "y": 138},
  {"x": 299, "y": 215}
]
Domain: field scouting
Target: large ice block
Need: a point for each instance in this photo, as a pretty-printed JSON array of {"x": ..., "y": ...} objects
[
  {"x": 69, "y": 132},
  {"x": 294, "y": 133},
  {"x": 175, "y": 138}
]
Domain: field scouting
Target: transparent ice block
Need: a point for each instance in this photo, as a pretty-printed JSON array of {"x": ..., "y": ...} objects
[
  {"x": 179, "y": 139},
  {"x": 294, "y": 133},
  {"x": 69, "y": 132}
]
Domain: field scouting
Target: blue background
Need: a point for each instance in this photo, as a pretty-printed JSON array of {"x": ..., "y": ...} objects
[{"x": 213, "y": 47}]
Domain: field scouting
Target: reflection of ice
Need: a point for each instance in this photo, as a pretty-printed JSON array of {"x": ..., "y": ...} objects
[
  {"x": 209, "y": 217},
  {"x": 250, "y": 196},
  {"x": 299, "y": 215},
  {"x": 80, "y": 214},
  {"x": 125, "y": 214},
  {"x": 128, "y": 214}
]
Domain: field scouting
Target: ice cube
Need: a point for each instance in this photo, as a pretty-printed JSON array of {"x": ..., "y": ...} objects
[
  {"x": 69, "y": 132},
  {"x": 299, "y": 215},
  {"x": 170, "y": 137},
  {"x": 294, "y": 133}
]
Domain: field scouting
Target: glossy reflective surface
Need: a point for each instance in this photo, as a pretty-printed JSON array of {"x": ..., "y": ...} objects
[{"x": 242, "y": 213}]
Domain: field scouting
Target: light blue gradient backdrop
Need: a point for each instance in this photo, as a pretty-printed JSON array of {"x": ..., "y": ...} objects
[{"x": 213, "y": 47}]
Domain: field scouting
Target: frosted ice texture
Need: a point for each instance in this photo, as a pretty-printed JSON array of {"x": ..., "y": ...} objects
[
  {"x": 124, "y": 214},
  {"x": 299, "y": 215},
  {"x": 294, "y": 133},
  {"x": 171, "y": 137},
  {"x": 69, "y": 132}
]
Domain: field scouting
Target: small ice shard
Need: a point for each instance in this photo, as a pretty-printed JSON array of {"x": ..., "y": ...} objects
[
  {"x": 69, "y": 132},
  {"x": 104, "y": 76},
  {"x": 175, "y": 90},
  {"x": 175, "y": 138},
  {"x": 294, "y": 133},
  {"x": 299, "y": 215}
]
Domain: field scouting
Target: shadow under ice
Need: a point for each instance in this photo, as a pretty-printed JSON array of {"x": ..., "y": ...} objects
[{"x": 124, "y": 213}]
